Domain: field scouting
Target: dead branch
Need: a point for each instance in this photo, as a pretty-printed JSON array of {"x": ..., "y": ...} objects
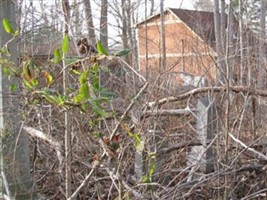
[
  {"x": 127, "y": 110},
  {"x": 258, "y": 154},
  {"x": 167, "y": 112},
  {"x": 39, "y": 134},
  {"x": 259, "y": 194},
  {"x": 179, "y": 146},
  {"x": 197, "y": 91}
]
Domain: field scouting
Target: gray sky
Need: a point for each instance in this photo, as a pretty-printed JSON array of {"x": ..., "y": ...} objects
[{"x": 186, "y": 4}]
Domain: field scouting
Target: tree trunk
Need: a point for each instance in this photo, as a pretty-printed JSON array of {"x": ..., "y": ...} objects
[
  {"x": 220, "y": 71},
  {"x": 77, "y": 21},
  {"x": 124, "y": 28},
  {"x": 241, "y": 44},
  {"x": 261, "y": 67},
  {"x": 129, "y": 14},
  {"x": 89, "y": 21},
  {"x": 68, "y": 151},
  {"x": 104, "y": 23},
  {"x": 223, "y": 24},
  {"x": 134, "y": 47},
  {"x": 163, "y": 41},
  {"x": 15, "y": 165},
  {"x": 146, "y": 41}
]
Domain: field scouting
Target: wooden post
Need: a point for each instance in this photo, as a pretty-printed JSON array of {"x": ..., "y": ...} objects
[
  {"x": 15, "y": 166},
  {"x": 206, "y": 127}
]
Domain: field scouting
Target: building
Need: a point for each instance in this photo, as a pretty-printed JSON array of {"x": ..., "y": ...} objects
[{"x": 190, "y": 46}]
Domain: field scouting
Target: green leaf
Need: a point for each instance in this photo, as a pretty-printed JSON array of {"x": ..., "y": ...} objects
[
  {"x": 65, "y": 44},
  {"x": 27, "y": 84},
  {"x": 16, "y": 33},
  {"x": 83, "y": 77},
  {"x": 77, "y": 99},
  {"x": 84, "y": 91},
  {"x": 145, "y": 179},
  {"x": 106, "y": 94},
  {"x": 7, "y": 71},
  {"x": 34, "y": 82},
  {"x": 49, "y": 78},
  {"x": 101, "y": 49},
  {"x": 152, "y": 169},
  {"x": 50, "y": 98},
  {"x": 13, "y": 87},
  {"x": 97, "y": 108},
  {"x": 7, "y": 26},
  {"x": 27, "y": 70},
  {"x": 57, "y": 56},
  {"x": 137, "y": 140},
  {"x": 83, "y": 94},
  {"x": 123, "y": 52},
  {"x": 60, "y": 100},
  {"x": 4, "y": 50}
]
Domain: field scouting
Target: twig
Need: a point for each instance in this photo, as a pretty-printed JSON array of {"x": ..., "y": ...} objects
[
  {"x": 127, "y": 110},
  {"x": 125, "y": 184},
  {"x": 164, "y": 112},
  {"x": 8, "y": 195},
  {"x": 260, "y": 155},
  {"x": 74, "y": 194},
  {"x": 179, "y": 146},
  {"x": 261, "y": 193},
  {"x": 132, "y": 69}
]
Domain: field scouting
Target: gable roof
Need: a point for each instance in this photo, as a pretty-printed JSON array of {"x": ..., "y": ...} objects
[{"x": 202, "y": 23}]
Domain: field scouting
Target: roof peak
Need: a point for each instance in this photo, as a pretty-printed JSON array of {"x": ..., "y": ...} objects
[{"x": 189, "y": 10}]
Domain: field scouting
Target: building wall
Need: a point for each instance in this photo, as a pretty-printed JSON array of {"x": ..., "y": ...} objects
[{"x": 185, "y": 51}]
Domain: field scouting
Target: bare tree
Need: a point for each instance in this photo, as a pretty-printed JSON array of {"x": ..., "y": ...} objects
[
  {"x": 223, "y": 24},
  {"x": 104, "y": 23},
  {"x": 89, "y": 21},
  {"x": 219, "y": 48},
  {"x": 163, "y": 39},
  {"x": 68, "y": 151},
  {"x": 262, "y": 54},
  {"x": 76, "y": 20},
  {"x": 241, "y": 42}
]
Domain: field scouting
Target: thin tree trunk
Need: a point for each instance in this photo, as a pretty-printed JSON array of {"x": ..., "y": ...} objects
[
  {"x": 68, "y": 151},
  {"x": 241, "y": 44},
  {"x": 129, "y": 14},
  {"x": 135, "y": 47},
  {"x": 261, "y": 67},
  {"x": 146, "y": 41},
  {"x": 89, "y": 21},
  {"x": 124, "y": 28},
  {"x": 77, "y": 23},
  {"x": 220, "y": 71},
  {"x": 223, "y": 25},
  {"x": 229, "y": 64},
  {"x": 104, "y": 23},
  {"x": 163, "y": 41}
]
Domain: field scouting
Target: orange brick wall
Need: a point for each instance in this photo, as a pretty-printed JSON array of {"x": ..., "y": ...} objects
[{"x": 180, "y": 40}]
